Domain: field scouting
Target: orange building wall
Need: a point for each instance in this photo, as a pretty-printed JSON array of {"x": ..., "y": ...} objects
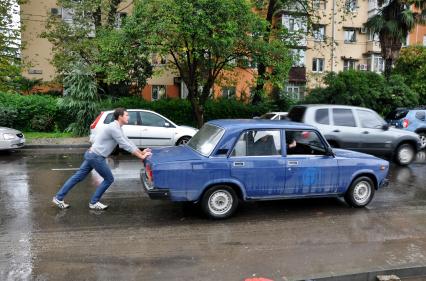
[{"x": 416, "y": 36}]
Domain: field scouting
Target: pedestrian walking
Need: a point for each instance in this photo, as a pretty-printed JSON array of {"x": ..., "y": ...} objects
[{"x": 95, "y": 158}]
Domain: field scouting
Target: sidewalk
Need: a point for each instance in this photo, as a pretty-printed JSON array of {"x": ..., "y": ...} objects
[{"x": 57, "y": 143}]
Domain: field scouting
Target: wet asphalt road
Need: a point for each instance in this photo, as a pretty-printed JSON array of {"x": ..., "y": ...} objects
[{"x": 141, "y": 239}]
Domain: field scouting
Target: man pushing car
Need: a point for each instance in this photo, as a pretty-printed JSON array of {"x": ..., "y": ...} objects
[{"x": 95, "y": 158}]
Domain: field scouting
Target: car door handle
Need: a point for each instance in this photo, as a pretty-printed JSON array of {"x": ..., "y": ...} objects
[
  {"x": 292, "y": 163},
  {"x": 238, "y": 164},
  {"x": 366, "y": 132},
  {"x": 336, "y": 131}
]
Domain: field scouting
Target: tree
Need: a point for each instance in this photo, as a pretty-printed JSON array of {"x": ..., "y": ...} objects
[
  {"x": 411, "y": 64},
  {"x": 366, "y": 89},
  {"x": 80, "y": 98},
  {"x": 203, "y": 38},
  {"x": 90, "y": 33},
  {"x": 393, "y": 22},
  {"x": 10, "y": 64}
]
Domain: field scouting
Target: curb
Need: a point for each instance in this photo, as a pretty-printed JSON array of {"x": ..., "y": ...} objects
[
  {"x": 50, "y": 146},
  {"x": 405, "y": 273}
]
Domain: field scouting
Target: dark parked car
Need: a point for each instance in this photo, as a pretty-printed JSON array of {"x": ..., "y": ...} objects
[
  {"x": 410, "y": 119},
  {"x": 360, "y": 129},
  {"x": 232, "y": 160}
]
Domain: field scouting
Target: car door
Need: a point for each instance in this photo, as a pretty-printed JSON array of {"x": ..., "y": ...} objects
[
  {"x": 373, "y": 138},
  {"x": 133, "y": 128},
  {"x": 309, "y": 170},
  {"x": 344, "y": 128},
  {"x": 156, "y": 130},
  {"x": 257, "y": 162}
]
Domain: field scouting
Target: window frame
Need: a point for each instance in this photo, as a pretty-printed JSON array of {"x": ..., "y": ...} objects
[
  {"x": 315, "y": 62},
  {"x": 279, "y": 150},
  {"x": 158, "y": 97},
  {"x": 352, "y": 39},
  {"x": 349, "y": 109}
]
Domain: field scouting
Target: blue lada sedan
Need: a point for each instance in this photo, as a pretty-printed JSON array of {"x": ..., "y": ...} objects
[{"x": 232, "y": 160}]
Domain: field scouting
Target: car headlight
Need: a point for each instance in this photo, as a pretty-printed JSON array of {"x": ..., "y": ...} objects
[{"x": 9, "y": 136}]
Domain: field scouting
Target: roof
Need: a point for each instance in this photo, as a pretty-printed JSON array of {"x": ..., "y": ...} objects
[
  {"x": 259, "y": 123},
  {"x": 332, "y": 106}
]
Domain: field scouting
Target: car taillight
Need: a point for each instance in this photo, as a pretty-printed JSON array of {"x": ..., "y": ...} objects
[
  {"x": 93, "y": 125},
  {"x": 405, "y": 123},
  {"x": 149, "y": 172}
]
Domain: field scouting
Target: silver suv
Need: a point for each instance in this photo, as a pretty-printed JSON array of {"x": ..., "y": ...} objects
[{"x": 360, "y": 129}]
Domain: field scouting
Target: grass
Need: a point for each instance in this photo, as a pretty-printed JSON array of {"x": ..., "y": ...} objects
[{"x": 42, "y": 135}]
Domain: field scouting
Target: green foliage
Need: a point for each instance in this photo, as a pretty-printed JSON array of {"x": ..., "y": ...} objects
[
  {"x": 115, "y": 58},
  {"x": 366, "y": 89},
  {"x": 10, "y": 65},
  {"x": 204, "y": 37},
  {"x": 80, "y": 98},
  {"x": 31, "y": 113},
  {"x": 412, "y": 66}
]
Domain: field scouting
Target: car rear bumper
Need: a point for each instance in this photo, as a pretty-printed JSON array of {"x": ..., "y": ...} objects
[{"x": 153, "y": 193}]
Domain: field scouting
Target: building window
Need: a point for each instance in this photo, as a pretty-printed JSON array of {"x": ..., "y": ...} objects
[
  {"x": 319, "y": 4},
  {"x": 351, "y": 5},
  {"x": 158, "y": 92},
  {"x": 348, "y": 64},
  {"x": 295, "y": 91},
  {"x": 157, "y": 59},
  {"x": 424, "y": 40},
  {"x": 317, "y": 65},
  {"x": 298, "y": 56},
  {"x": 350, "y": 36},
  {"x": 376, "y": 63},
  {"x": 373, "y": 36},
  {"x": 319, "y": 32},
  {"x": 291, "y": 25},
  {"x": 228, "y": 92}
]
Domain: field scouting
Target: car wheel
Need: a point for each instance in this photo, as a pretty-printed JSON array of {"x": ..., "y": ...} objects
[
  {"x": 360, "y": 193},
  {"x": 422, "y": 136},
  {"x": 183, "y": 140},
  {"x": 219, "y": 202},
  {"x": 405, "y": 154}
]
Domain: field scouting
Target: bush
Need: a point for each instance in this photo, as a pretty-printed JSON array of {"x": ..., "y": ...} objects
[{"x": 366, "y": 89}]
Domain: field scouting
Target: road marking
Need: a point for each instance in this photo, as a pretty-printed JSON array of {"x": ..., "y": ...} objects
[{"x": 66, "y": 169}]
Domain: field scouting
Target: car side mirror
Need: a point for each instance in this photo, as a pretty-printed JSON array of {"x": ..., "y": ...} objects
[
  {"x": 385, "y": 127},
  {"x": 166, "y": 124}
]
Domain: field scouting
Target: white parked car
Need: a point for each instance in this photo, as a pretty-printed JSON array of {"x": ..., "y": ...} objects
[
  {"x": 274, "y": 116},
  {"x": 11, "y": 138},
  {"x": 147, "y": 128}
]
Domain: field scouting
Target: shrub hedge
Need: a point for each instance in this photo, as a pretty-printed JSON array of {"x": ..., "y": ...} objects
[{"x": 41, "y": 113}]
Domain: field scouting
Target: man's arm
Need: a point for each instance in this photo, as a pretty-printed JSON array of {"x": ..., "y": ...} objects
[{"x": 126, "y": 144}]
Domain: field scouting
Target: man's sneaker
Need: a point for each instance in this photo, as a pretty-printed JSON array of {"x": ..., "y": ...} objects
[
  {"x": 59, "y": 203},
  {"x": 98, "y": 206}
]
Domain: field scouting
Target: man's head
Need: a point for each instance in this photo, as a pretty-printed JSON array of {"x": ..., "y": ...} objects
[{"x": 121, "y": 115}]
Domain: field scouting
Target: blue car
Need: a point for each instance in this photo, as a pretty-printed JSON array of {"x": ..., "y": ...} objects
[
  {"x": 229, "y": 161},
  {"x": 410, "y": 119}
]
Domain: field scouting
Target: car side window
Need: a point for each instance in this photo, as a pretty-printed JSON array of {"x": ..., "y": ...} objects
[
  {"x": 369, "y": 119},
  {"x": 303, "y": 142},
  {"x": 258, "y": 143},
  {"x": 151, "y": 119},
  {"x": 421, "y": 115},
  {"x": 321, "y": 116},
  {"x": 343, "y": 117},
  {"x": 133, "y": 118}
]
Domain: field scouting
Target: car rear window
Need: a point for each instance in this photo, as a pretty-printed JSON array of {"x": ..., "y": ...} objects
[
  {"x": 343, "y": 117},
  {"x": 296, "y": 113},
  {"x": 321, "y": 116},
  {"x": 109, "y": 118},
  {"x": 397, "y": 114}
]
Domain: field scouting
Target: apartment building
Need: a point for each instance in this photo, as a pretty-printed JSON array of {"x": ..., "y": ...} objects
[{"x": 338, "y": 42}]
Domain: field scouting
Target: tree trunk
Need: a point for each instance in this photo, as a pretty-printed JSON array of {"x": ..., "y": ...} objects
[
  {"x": 388, "y": 68},
  {"x": 261, "y": 68},
  {"x": 198, "y": 111}
]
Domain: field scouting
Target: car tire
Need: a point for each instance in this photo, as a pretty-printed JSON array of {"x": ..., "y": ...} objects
[
  {"x": 405, "y": 154},
  {"x": 219, "y": 202},
  {"x": 360, "y": 193},
  {"x": 183, "y": 140},
  {"x": 422, "y": 136}
]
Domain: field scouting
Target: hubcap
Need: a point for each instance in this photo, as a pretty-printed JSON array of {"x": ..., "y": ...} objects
[
  {"x": 423, "y": 140},
  {"x": 184, "y": 141},
  {"x": 406, "y": 155},
  {"x": 362, "y": 192},
  {"x": 220, "y": 202}
]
